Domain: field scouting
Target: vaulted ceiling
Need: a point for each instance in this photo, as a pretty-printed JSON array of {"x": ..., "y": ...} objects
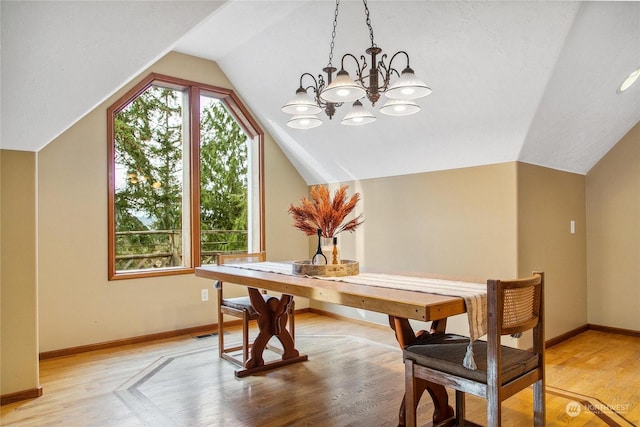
[{"x": 524, "y": 80}]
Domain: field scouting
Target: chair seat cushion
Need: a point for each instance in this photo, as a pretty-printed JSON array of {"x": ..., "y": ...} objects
[
  {"x": 446, "y": 352},
  {"x": 243, "y": 303}
]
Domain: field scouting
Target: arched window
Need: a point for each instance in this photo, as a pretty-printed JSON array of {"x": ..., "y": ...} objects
[{"x": 185, "y": 178}]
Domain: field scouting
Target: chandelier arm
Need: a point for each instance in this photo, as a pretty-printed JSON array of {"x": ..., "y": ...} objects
[
  {"x": 389, "y": 70},
  {"x": 364, "y": 64},
  {"x": 316, "y": 86},
  {"x": 315, "y": 82},
  {"x": 312, "y": 87},
  {"x": 321, "y": 84},
  {"x": 385, "y": 71},
  {"x": 360, "y": 74},
  {"x": 359, "y": 69},
  {"x": 398, "y": 53},
  {"x": 382, "y": 68}
]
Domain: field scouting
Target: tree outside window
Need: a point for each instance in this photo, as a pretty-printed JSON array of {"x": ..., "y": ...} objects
[
  {"x": 183, "y": 163},
  {"x": 223, "y": 182}
]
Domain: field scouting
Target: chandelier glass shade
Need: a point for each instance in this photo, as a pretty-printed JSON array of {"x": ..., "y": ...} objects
[
  {"x": 408, "y": 86},
  {"x": 368, "y": 82},
  {"x": 399, "y": 107},
  {"x": 301, "y": 104},
  {"x": 343, "y": 89},
  {"x": 358, "y": 115},
  {"x": 304, "y": 122}
]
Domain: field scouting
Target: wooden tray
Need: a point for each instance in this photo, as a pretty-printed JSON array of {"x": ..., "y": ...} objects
[{"x": 345, "y": 268}]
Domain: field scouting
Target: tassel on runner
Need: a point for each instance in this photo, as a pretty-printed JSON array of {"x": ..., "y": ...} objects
[{"x": 469, "y": 362}]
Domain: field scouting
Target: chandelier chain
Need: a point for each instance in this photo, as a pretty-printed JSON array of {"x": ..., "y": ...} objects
[
  {"x": 370, "y": 83},
  {"x": 366, "y": 11},
  {"x": 333, "y": 33}
]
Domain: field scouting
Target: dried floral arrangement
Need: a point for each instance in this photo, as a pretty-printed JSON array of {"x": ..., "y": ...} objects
[{"x": 321, "y": 212}]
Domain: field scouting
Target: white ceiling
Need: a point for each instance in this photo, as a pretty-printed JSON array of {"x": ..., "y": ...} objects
[{"x": 523, "y": 80}]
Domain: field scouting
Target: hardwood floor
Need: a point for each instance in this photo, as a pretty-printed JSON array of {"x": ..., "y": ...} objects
[{"x": 354, "y": 377}]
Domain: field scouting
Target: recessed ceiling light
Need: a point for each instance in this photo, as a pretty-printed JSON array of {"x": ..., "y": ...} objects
[{"x": 629, "y": 81}]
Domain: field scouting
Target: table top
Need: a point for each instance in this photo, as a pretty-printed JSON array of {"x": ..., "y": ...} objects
[{"x": 394, "y": 302}]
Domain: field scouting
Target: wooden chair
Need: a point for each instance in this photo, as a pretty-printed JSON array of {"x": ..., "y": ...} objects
[
  {"x": 241, "y": 307},
  {"x": 514, "y": 306}
]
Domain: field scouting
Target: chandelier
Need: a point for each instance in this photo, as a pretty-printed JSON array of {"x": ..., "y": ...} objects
[{"x": 370, "y": 83}]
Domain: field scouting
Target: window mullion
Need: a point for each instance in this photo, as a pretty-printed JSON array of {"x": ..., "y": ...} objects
[{"x": 194, "y": 114}]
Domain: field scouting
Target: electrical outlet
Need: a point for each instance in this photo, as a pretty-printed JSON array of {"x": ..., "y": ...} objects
[{"x": 204, "y": 294}]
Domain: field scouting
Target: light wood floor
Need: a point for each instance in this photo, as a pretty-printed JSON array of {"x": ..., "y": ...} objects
[{"x": 354, "y": 377}]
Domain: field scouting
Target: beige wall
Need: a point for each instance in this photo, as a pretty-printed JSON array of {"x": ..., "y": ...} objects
[
  {"x": 458, "y": 222},
  {"x": 548, "y": 200},
  {"x": 78, "y": 306},
  {"x": 613, "y": 236},
  {"x": 478, "y": 222},
  {"x": 18, "y": 278}
]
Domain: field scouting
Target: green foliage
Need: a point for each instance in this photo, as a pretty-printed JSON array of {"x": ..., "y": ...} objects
[
  {"x": 223, "y": 180},
  {"x": 223, "y": 170},
  {"x": 149, "y": 140}
]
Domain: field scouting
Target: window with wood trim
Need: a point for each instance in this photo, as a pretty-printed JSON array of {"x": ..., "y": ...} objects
[{"x": 184, "y": 178}]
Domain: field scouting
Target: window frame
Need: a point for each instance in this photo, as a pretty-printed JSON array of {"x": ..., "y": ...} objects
[{"x": 194, "y": 90}]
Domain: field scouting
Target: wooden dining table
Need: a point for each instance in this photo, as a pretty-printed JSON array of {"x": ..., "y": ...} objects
[{"x": 400, "y": 305}]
